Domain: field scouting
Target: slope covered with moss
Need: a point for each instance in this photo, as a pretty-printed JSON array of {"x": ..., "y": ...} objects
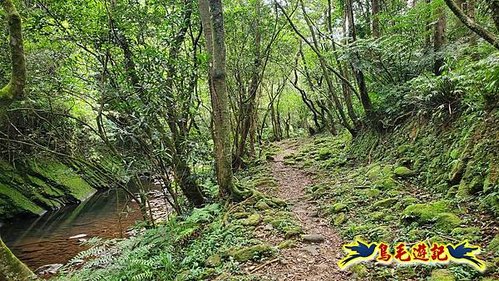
[
  {"x": 32, "y": 187},
  {"x": 428, "y": 180}
]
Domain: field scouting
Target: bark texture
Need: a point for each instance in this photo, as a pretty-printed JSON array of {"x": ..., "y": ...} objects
[
  {"x": 11, "y": 268},
  {"x": 15, "y": 88},
  {"x": 213, "y": 26}
]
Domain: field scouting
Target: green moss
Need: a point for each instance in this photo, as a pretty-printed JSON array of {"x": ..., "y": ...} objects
[
  {"x": 385, "y": 203},
  {"x": 465, "y": 189},
  {"x": 359, "y": 270},
  {"x": 454, "y": 154},
  {"x": 436, "y": 212},
  {"x": 377, "y": 215},
  {"x": 325, "y": 153},
  {"x": 255, "y": 252},
  {"x": 447, "y": 221},
  {"x": 65, "y": 176},
  {"x": 385, "y": 183},
  {"x": 494, "y": 245},
  {"x": 213, "y": 261},
  {"x": 374, "y": 172},
  {"x": 467, "y": 233},
  {"x": 19, "y": 202},
  {"x": 372, "y": 192},
  {"x": 339, "y": 219},
  {"x": 241, "y": 215},
  {"x": 12, "y": 268},
  {"x": 338, "y": 207},
  {"x": 286, "y": 244},
  {"x": 404, "y": 148},
  {"x": 442, "y": 275},
  {"x": 262, "y": 205},
  {"x": 292, "y": 231},
  {"x": 403, "y": 172},
  {"x": 428, "y": 211},
  {"x": 252, "y": 220}
]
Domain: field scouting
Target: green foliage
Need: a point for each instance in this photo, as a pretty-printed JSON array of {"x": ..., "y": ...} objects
[{"x": 161, "y": 253}]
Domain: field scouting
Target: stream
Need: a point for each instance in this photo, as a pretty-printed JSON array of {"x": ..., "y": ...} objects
[{"x": 46, "y": 239}]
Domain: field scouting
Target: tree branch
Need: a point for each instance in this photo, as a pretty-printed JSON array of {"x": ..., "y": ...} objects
[{"x": 482, "y": 32}]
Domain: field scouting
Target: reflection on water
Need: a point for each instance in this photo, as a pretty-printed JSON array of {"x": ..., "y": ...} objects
[{"x": 45, "y": 240}]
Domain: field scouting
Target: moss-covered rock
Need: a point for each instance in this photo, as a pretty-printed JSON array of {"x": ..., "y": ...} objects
[
  {"x": 426, "y": 212},
  {"x": 467, "y": 233},
  {"x": 255, "y": 252},
  {"x": 339, "y": 219},
  {"x": 436, "y": 212},
  {"x": 325, "y": 153},
  {"x": 403, "y": 172},
  {"x": 286, "y": 244},
  {"x": 447, "y": 221},
  {"x": 442, "y": 275},
  {"x": 213, "y": 261},
  {"x": 337, "y": 207},
  {"x": 252, "y": 220},
  {"x": 262, "y": 205},
  {"x": 385, "y": 203}
]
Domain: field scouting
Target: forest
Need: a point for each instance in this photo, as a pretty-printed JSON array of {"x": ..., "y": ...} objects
[{"x": 249, "y": 140}]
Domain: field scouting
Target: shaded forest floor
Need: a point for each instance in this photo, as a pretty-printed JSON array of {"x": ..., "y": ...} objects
[
  {"x": 336, "y": 199},
  {"x": 311, "y": 197}
]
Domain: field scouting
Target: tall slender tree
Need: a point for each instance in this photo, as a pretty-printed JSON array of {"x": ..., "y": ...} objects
[{"x": 211, "y": 13}]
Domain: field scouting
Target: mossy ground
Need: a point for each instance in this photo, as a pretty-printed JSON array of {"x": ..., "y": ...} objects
[
  {"x": 217, "y": 242},
  {"x": 396, "y": 189}
]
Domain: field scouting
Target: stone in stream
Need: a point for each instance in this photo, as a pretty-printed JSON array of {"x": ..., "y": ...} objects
[
  {"x": 49, "y": 269},
  {"x": 313, "y": 238},
  {"x": 79, "y": 236}
]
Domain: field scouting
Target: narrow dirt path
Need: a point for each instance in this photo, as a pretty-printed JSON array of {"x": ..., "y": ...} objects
[{"x": 308, "y": 260}]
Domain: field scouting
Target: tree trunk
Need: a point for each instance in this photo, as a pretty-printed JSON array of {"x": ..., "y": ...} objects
[
  {"x": 249, "y": 104},
  {"x": 325, "y": 70},
  {"x": 359, "y": 74},
  {"x": 438, "y": 40},
  {"x": 15, "y": 88},
  {"x": 375, "y": 8},
  {"x": 11, "y": 268},
  {"x": 494, "y": 8},
  {"x": 471, "y": 24},
  {"x": 215, "y": 44}
]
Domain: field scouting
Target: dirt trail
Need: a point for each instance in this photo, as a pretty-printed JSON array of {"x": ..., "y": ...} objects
[{"x": 307, "y": 261}]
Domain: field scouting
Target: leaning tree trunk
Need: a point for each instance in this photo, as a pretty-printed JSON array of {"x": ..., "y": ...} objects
[{"x": 15, "y": 88}]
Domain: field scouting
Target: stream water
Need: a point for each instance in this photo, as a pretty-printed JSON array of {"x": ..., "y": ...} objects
[{"x": 46, "y": 240}]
